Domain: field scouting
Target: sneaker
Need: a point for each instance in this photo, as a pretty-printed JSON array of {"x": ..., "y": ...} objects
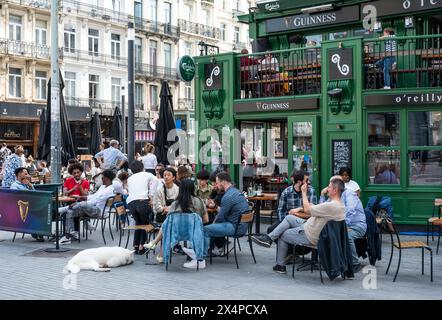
[
  {"x": 91, "y": 227},
  {"x": 64, "y": 240},
  {"x": 75, "y": 235},
  {"x": 262, "y": 240},
  {"x": 280, "y": 269},
  {"x": 387, "y": 87},
  {"x": 150, "y": 246},
  {"x": 194, "y": 263},
  {"x": 190, "y": 253}
]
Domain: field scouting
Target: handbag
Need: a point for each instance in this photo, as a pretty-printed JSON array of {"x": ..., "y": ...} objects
[{"x": 159, "y": 216}]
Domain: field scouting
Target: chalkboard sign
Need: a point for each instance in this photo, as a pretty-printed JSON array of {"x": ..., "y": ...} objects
[{"x": 341, "y": 154}]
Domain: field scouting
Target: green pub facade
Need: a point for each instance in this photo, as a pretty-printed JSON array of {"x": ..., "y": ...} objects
[{"x": 322, "y": 90}]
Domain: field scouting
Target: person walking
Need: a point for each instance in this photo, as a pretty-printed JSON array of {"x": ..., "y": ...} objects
[{"x": 12, "y": 162}]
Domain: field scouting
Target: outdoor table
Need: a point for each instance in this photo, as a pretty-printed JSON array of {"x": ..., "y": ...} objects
[{"x": 257, "y": 200}]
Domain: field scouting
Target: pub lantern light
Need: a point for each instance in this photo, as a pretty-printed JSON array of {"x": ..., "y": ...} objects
[{"x": 201, "y": 46}]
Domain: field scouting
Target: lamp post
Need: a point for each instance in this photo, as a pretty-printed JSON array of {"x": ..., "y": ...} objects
[
  {"x": 131, "y": 106},
  {"x": 123, "y": 115},
  {"x": 202, "y": 46}
]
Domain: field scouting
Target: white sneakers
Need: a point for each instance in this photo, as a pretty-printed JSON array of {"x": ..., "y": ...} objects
[
  {"x": 63, "y": 240},
  {"x": 387, "y": 87},
  {"x": 217, "y": 252},
  {"x": 150, "y": 246},
  {"x": 194, "y": 263},
  {"x": 190, "y": 253}
]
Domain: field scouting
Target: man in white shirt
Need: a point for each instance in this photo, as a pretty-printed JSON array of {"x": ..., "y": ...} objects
[
  {"x": 92, "y": 206},
  {"x": 141, "y": 187},
  {"x": 113, "y": 157}
]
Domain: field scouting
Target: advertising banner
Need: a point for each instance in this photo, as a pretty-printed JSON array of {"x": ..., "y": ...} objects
[{"x": 26, "y": 211}]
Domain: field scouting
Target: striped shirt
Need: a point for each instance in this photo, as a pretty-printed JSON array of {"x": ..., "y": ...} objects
[{"x": 390, "y": 45}]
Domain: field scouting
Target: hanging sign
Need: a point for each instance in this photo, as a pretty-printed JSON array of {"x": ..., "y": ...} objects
[
  {"x": 213, "y": 76},
  {"x": 340, "y": 64},
  {"x": 186, "y": 68}
]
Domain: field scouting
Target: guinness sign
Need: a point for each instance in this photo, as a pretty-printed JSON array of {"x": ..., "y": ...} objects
[
  {"x": 275, "y": 106},
  {"x": 302, "y": 21}
]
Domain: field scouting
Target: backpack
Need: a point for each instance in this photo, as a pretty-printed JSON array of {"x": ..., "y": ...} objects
[{"x": 381, "y": 207}]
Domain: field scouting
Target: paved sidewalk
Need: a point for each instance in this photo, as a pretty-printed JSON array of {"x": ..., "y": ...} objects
[{"x": 29, "y": 277}]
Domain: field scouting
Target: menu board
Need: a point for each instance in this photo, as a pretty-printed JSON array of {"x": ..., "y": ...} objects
[{"x": 341, "y": 154}]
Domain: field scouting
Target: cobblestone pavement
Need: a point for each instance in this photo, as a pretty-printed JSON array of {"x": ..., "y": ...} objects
[{"x": 29, "y": 277}]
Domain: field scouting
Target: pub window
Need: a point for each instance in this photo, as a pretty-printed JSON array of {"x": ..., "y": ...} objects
[
  {"x": 383, "y": 148},
  {"x": 425, "y": 148},
  {"x": 338, "y": 35}
]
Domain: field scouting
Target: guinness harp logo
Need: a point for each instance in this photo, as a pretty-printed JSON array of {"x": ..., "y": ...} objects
[{"x": 24, "y": 209}]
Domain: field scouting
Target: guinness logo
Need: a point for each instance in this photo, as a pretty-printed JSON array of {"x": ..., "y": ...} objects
[{"x": 23, "y": 206}]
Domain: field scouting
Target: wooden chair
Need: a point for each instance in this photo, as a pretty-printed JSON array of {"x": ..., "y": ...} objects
[
  {"x": 247, "y": 217},
  {"x": 389, "y": 228},
  {"x": 435, "y": 215}
]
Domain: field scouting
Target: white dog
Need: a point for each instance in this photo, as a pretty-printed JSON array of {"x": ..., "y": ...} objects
[{"x": 99, "y": 259}]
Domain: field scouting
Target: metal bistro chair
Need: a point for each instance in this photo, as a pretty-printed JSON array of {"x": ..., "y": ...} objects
[
  {"x": 106, "y": 215},
  {"x": 247, "y": 217},
  {"x": 388, "y": 227}
]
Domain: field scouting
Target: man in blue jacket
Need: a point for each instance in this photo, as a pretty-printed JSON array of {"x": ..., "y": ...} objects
[
  {"x": 233, "y": 205},
  {"x": 354, "y": 218}
]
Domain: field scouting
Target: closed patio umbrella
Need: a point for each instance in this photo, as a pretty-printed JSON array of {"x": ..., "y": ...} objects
[
  {"x": 117, "y": 131},
  {"x": 67, "y": 144},
  {"x": 41, "y": 134},
  {"x": 96, "y": 139},
  {"x": 166, "y": 122}
]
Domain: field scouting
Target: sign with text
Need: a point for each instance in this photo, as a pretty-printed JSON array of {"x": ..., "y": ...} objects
[
  {"x": 26, "y": 211},
  {"x": 213, "y": 76},
  {"x": 341, "y": 154},
  {"x": 404, "y": 99},
  {"x": 340, "y": 64},
  {"x": 386, "y": 8},
  {"x": 280, "y": 5},
  {"x": 302, "y": 21},
  {"x": 276, "y": 105}
]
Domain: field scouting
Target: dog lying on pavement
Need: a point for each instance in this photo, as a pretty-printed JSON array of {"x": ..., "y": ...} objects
[{"x": 99, "y": 259}]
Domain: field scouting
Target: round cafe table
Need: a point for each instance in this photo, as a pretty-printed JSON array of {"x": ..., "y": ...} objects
[{"x": 257, "y": 200}]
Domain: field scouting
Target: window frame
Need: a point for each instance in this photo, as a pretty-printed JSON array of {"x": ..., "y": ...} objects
[
  {"x": 16, "y": 77},
  {"x": 40, "y": 85},
  {"x": 15, "y": 26}
]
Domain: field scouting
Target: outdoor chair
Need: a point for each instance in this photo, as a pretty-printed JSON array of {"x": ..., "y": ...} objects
[
  {"x": 247, "y": 217},
  {"x": 433, "y": 221},
  {"x": 331, "y": 227},
  {"x": 105, "y": 216},
  {"x": 388, "y": 227},
  {"x": 180, "y": 226}
]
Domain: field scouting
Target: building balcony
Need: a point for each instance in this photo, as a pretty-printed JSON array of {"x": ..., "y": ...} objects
[
  {"x": 72, "y": 7},
  {"x": 199, "y": 29},
  {"x": 82, "y": 56},
  {"x": 157, "y": 28},
  {"x": 38, "y": 4},
  {"x": 152, "y": 72},
  {"x": 186, "y": 104},
  {"x": 239, "y": 46},
  {"x": 412, "y": 62},
  {"x": 24, "y": 49}
]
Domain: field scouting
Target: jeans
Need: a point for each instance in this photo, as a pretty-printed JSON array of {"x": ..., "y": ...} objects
[
  {"x": 80, "y": 209},
  {"x": 289, "y": 222},
  {"x": 386, "y": 64},
  {"x": 290, "y": 236},
  {"x": 221, "y": 229},
  {"x": 142, "y": 214},
  {"x": 354, "y": 232}
]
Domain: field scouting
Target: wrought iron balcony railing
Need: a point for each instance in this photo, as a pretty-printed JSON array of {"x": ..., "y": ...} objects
[
  {"x": 200, "y": 29},
  {"x": 403, "y": 62},
  {"x": 279, "y": 73},
  {"x": 93, "y": 57},
  {"x": 39, "y": 4},
  {"x": 154, "y": 71},
  {"x": 24, "y": 49},
  {"x": 186, "y": 104},
  {"x": 155, "y": 27}
]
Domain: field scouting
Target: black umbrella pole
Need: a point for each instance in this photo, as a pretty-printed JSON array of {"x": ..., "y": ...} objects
[{"x": 131, "y": 106}]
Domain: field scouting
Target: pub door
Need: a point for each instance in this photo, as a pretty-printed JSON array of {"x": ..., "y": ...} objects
[{"x": 303, "y": 145}]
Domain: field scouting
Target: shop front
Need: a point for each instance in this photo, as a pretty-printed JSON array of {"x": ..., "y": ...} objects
[{"x": 315, "y": 96}]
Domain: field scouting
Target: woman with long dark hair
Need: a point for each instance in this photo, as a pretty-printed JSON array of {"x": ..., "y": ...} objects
[{"x": 185, "y": 202}]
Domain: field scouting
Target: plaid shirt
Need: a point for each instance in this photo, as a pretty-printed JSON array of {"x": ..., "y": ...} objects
[{"x": 290, "y": 199}]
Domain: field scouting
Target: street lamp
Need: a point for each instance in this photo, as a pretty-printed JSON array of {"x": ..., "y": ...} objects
[{"x": 202, "y": 45}]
